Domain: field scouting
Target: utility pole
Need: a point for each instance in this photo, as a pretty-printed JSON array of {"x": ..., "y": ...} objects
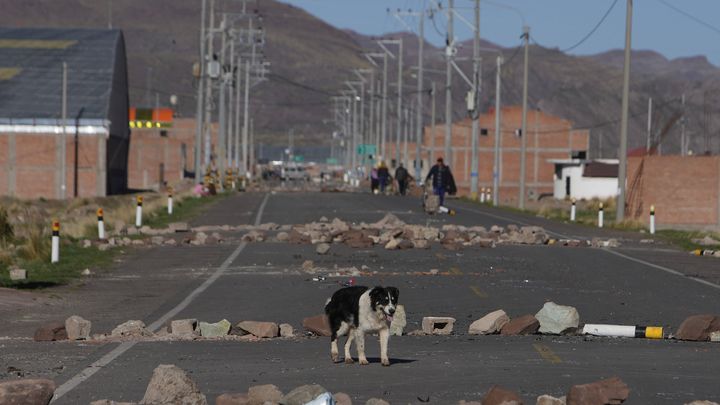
[
  {"x": 231, "y": 103},
  {"x": 523, "y": 130},
  {"x": 649, "y": 126},
  {"x": 406, "y": 135},
  {"x": 449, "y": 53},
  {"x": 208, "y": 87},
  {"x": 420, "y": 83},
  {"x": 201, "y": 86},
  {"x": 683, "y": 141},
  {"x": 498, "y": 137},
  {"x": 252, "y": 145},
  {"x": 385, "y": 106},
  {"x": 474, "y": 108},
  {"x": 238, "y": 86},
  {"x": 399, "y": 101},
  {"x": 434, "y": 125},
  {"x": 222, "y": 106},
  {"x": 246, "y": 120},
  {"x": 63, "y": 141},
  {"x": 622, "y": 168}
]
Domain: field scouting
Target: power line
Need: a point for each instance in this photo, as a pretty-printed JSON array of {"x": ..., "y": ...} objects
[
  {"x": 589, "y": 34},
  {"x": 690, "y": 16}
]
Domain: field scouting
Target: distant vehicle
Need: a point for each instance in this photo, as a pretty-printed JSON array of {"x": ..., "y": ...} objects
[{"x": 294, "y": 172}]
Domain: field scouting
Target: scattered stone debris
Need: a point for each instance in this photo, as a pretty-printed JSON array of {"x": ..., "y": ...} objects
[
  {"x": 524, "y": 325},
  {"x": 489, "y": 324},
  {"x": 131, "y": 328},
  {"x": 77, "y": 328},
  {"x": 397, "y": 326},
  {"x": 29, "y": 391},
  {"x": 302, "y": 395},
  {"x": 557, "y": 319},
  {"x": 214, "y": 330},
  {"x": 611, "y": 243},
  {"x": 286, "y": 330},
  {"x": 184, "y": 327},
  {"x": 702, "y": 403},
  {"x": 377, "y": 401},
  {"x": 177, "y": 227},
  {"x": 698, "y": 327},
  {"x": 51, "y": 332},
  {"x": 322, "y": 248},
  {"x": 438, "y": 325},
  {"x": 171, "y": 385},
  {"x": 501, "y": 396},
  {"x": 318, "y": 325},
  {"x": 550, "y": 400},
  {"x": 260, "y": 329},
  {"x": 706, "y": 241},
  {"x": 610, "y": 391}
]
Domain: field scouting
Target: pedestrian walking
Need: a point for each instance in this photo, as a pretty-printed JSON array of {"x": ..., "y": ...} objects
[
  {"x": 402, "y": 176},
  {"x": 383, "y": 176},
  {"x": 374, "y": 182},
  {"x": 442, "y": 180}
]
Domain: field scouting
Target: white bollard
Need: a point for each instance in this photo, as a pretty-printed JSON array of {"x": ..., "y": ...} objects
[
  {"x": 138, "y": 212},
  {"x": 55, "y": 253},
  {"x": 482, "y": 195},
  {"x": 488, "y": 197},
  {"x": 572, "y": 211},
  {"x": 652, "y": 220},
  {"x": 101, "y": 224},
  {"x": 601, "y": 216},
  {"x": 170, "y": 201},
  {"x": 648, "y": 332}
]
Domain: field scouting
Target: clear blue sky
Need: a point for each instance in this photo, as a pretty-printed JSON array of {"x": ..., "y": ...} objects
[{"x": 554, "y": 23}]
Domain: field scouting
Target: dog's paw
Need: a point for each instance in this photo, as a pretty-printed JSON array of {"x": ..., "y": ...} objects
[
  {"x": 349, "y": 360},
  {"x": 385, "y": 362},
  {"x": 335, "y": 357},
  {"x": 364, "y": 362}
]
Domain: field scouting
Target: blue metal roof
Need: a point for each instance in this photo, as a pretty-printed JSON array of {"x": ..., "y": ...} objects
[{"x": 31, "y": 62}]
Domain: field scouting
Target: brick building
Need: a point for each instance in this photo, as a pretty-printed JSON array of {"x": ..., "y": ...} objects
[
  {"x": 96, "y": 133},
  {"x": 684, "y": 189},
  {"x": 548, "y": 137}
]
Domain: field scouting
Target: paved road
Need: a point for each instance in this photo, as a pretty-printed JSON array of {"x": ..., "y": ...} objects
[{"x": 646, "y": 284}]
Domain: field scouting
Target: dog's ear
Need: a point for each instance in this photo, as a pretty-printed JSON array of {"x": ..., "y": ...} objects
[{"x": 394, "y": 293}]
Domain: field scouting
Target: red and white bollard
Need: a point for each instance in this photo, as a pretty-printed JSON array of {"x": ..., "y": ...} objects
[
  {"x": 170, "y": 201},
  {"x": 652, "y": 220},
  {"x": 101, "y": 224},
  {"x": 601, "y": 216},
  {"x": 482, "y": 195},
  {"x": 138, "y": 212},
  {"x": 572, "y": 211},
  {"x": 55, "y": 253}
]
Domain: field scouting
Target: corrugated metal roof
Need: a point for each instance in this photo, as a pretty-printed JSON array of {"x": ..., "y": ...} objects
[
  {"x": 31, "y": 72},
  {"x": 600, "y": 169}
]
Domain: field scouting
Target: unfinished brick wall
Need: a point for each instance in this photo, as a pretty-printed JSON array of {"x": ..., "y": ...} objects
[{"x": 684, "y": 190}]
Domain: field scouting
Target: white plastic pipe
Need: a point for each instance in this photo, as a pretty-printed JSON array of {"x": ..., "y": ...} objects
[
  {"x": 138, "y": 213},
  {"x": 652, "y": 220},
  {"x": 609, "y": 330},
  {"x": 170, "y": 205},
  {"x": 482, "y": 195},
  {"x": 101, "y": 229},
  {"x": 55, "y": 254},
  {"x": 572, "y": 211},
  {"x": 601, "y": 216}
]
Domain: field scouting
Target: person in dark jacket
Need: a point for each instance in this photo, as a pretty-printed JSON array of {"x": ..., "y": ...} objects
[
  {"x": 402, "y": 176},
  {"x": 383, "y": 176},
  {"x": 442, "y": 180}
]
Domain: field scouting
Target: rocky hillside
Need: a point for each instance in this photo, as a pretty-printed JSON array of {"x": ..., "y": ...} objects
[{"x": 310, "y": 59}]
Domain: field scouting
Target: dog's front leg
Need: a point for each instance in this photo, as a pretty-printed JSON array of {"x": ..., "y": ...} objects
[
  {"x": 384, "y": 338},
  {"x": 334, "y": 350},
  {"x": 360, "y": 343},
  {"x": 348, "y": 356}
]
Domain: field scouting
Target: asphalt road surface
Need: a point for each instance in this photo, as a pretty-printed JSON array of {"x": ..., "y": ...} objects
[{"x": 638, "y": 283}]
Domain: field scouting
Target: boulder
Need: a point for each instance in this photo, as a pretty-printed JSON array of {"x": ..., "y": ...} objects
[
  {"x": 500, "y": 396},
  {"x": 184, "y": 327},
  {"x": 377, "y": 401},
  {"x": 702, "y": 403},
  {"x": 342, "y": 398},
  {"x": 179, "y": 227},
  {"x": 397, "y": 326},
  {"x": 550, "y": 400},
  {"x": 557, "y": 319},
  {"x": 260, "y": 329},
  {"x": 260, "y": 394},
  {"x": 604, "y": 392},
  {"x": 77, "y": 328},
  {"x": 302, "y": 395},
  {"x": 282, "y": 236},
  {"x": 318, "y": 325},
  {"x": 392, "y": 244},
  {"x": 715, "y": 336},
  {"x": 698, "y": 327},
  {"x": 131, "y": 328},
  {"x": 213, "y": 330},
  {"x": 322, "y": 248},
  {"x": 27, "y": 392},
  {"x": 51, "y": 332},
  {"x": 489, "y": 324},
  {"x": 232, "y": 399},
  {"x": 524, "y": 325},
  {"x": 200, "y": 238},
  {"x": 171, "y": 385},
  {"x": 438, "y": 325},
  {"x": 157, "y": 240},
  {"x": 388, "y": 221},
  {"x": 286, "y": 330}
]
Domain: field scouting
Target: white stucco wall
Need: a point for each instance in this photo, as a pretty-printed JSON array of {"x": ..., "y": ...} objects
[{"x": 584, "y": 187}]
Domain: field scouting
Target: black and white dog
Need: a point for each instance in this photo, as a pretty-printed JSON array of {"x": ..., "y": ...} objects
[{"x": 355, "y": 311}]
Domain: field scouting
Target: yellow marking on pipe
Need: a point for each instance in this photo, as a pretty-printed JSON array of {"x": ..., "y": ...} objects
[
  {"x": 478, "y": 291},
  {"x": 547, "y": 353},
  {"x": 7, "y": 73},
  {"x": 36, "y": 43},
  {"x": 455, "y": 271},
  {"x": 654, "y": 332}
]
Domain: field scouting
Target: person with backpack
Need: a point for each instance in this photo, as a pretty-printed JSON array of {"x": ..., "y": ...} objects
[
  {"x": 402, "y": 176},
  {"x": 442, "y": 180}
]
